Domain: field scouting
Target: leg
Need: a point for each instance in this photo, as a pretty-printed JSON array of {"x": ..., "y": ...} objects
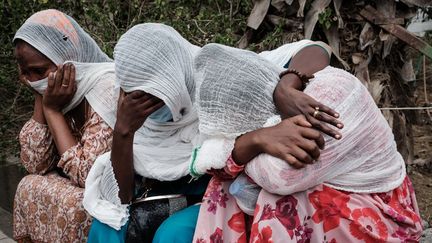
[
  {"x": 179, "y": 227},
  {"x": 100, "y": 232},
  {"x": 48, "y": 209}
]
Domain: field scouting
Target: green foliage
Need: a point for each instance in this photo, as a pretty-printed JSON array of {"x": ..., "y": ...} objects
[
  {"x": 273, "y": 39},
  {"x": 326, "y": 18}
]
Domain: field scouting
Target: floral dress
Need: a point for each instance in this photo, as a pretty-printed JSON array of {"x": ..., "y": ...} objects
[
  {"x": 48, "y": 202},
  {"x": 319, "y": 214}
]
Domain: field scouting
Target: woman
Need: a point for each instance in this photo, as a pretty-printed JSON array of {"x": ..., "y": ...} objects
[
  {"x": 154, "y": 68},
  {"x": 68, "y": 129},
  {"x": 357, "y": 191}
]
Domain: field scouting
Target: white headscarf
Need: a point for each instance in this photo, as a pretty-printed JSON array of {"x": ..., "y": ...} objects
[
  {"x": 364, "y": 160},
  {"x": 153, "y": 58},
  {"x": 60, "y": 38},
  {"x": 156, "y": 59}
]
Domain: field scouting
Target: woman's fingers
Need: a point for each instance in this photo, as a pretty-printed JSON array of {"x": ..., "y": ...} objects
[
  {"x": 59, "y": 77},
  {"x": 146, "y": 102},
  {"x": 327, "y": 110},
  {"x": 139, "y": 104},
  {"x": 323, "y": 127},
  {"x": 293, "y": 161},
  {"x": 314, "y": 135},
  {"x": 301, "y": 121},
  {"x": 154, "y": 108},
  {"x": 325, "y": 114},
  {"x": 311, "y": 147},
  {"x": 66, "y": 76},
  {"x": 324, "y": 117},
  {"x": 302, "y": 155},
  {"x": 72, "y": 82},
  {"x": 135, "y": 94},
  {"x": 51, "y": 82},
  {"x": 132, "y": 100}
]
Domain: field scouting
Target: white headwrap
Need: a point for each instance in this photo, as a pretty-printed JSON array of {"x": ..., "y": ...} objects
[
  {"x": 62, "y": 40},
  {"x": 364, "y": 160},
  {"x": 156, "y": 59},
  {"x": 153, "y": 58}
]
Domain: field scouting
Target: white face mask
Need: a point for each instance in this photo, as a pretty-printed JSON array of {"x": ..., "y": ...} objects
[{"x": 40, "y": 85}]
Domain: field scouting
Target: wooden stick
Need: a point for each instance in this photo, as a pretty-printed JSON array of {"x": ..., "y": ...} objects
[{"x": 372, "y": 15}]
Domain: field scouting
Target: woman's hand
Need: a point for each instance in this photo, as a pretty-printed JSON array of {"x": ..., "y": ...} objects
[
  {"x": 59, "y": 92},
  {"x": 61, "y": 88},
  {"x": 291, "y": 102},
  {"x": 293, "y": 140},
  {"x": 133, "y": 110}
]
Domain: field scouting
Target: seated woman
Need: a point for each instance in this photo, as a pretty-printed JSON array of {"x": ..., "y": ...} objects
[
  {"x": 69, "y": 127},
  {"x": 357, "y": 191},
  {"x": 157, "y": 129}
]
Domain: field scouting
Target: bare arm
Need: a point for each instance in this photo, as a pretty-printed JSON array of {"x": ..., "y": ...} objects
[
  {"x": 133, "y": 110},
  {"x": 122, "y": 162},
  {"x": 60, "y": 130},
  {"x": 61, "y": 88},
  {"x": 38, "y": 109},
  {"x": 308, "y": 60},
  {"x": 293, "y": 141}
]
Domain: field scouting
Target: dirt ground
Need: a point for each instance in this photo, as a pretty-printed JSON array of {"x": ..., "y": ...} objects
[
  {"x": 421, "y": 172},
  {"x": 422, "y": 181}
]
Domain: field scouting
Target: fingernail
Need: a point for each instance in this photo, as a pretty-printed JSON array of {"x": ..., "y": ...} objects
[
  {"x": 336, "y": 115},
  {"x": 337, "y": 136},
  {"x": 339, "y": 125}
]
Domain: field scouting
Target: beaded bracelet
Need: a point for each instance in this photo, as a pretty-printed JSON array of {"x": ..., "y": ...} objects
[{"x": 303, "y": 77}]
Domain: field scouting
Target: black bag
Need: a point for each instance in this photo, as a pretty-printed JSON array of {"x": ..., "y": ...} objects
[
  {"x": 159, "y": 200},
  {"x": 147, "y": 214}
]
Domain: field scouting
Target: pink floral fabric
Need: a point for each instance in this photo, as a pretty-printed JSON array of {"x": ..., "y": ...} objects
[
  {"x": 320, "y": 214},
  {"x": 48, "y": 206}
]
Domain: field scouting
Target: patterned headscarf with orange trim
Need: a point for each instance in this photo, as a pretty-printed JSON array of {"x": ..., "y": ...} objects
[{"x": 60, "y": 38}]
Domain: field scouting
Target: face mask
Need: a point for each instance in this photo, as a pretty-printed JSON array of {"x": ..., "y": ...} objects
[
  {"x": 163, "y": 114},
  {"x": 40, "y": 85}
]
